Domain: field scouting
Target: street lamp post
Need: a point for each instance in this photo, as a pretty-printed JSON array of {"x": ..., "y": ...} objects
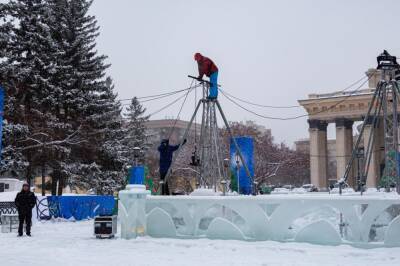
[
  {"x": 360, "y": 183},
  {"x": 237, "y": 159},
  {"x": 136, "y": 154},
  {"x": 224, "y": 181},
  {"x": 255, "y": 190}
]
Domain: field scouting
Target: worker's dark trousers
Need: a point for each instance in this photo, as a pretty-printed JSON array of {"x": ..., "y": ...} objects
[
  {"x": 164, "y": 186},
  {"x": 25, "y": 216}
]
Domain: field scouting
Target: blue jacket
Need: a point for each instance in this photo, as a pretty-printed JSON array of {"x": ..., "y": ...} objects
[{"x": 166, "y": 152}]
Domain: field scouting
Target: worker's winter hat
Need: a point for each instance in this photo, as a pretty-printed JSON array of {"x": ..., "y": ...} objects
[
  {"x": 25, "y": 184},
  {"x": 197, "y": 56}
]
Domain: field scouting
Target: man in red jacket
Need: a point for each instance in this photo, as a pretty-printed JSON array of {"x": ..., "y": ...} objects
[{"x": 208, "y": 68}]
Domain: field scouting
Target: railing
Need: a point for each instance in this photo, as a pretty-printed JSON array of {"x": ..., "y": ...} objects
[
  {"x": 7, "y": 207},
  {"x": 42, "y": 208}
]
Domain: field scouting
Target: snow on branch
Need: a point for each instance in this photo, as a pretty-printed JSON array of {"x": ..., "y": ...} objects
[{"x": 71, "y": 139}]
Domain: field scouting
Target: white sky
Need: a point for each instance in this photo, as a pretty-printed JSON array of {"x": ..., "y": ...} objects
[{"x": 270, "y": 52}]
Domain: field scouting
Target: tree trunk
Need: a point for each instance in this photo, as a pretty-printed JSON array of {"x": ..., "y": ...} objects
[
  {"x": 54, "y": 179},
  {"x": 43, "y": 179},
  {"x": 60, "y": 185},
  {"x": 28, "y": 175}
]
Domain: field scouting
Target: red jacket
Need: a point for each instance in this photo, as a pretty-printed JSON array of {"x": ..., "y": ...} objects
[{"x": 206, "y": 67}]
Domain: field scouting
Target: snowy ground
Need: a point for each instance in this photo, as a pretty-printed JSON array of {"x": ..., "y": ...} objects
[{"x": 72, "y": 243}]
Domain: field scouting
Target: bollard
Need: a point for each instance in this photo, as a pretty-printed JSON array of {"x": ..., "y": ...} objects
[{"x": 132, "y": 211}]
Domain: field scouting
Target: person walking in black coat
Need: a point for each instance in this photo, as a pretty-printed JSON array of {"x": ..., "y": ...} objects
[{"x": 25, "y": 201}]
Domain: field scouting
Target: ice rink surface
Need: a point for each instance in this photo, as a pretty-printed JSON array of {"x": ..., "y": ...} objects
[{"x": 73, "y": 243}]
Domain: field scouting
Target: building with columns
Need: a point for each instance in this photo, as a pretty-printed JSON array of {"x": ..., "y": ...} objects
[
  {"x": 303, "y": 146},
  {"x": 342, "y": 108}
]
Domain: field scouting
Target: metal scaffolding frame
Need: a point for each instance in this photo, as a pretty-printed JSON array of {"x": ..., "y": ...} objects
[
  {"x": 211, "y": 169},
  {"x": 383, "y": 108}
]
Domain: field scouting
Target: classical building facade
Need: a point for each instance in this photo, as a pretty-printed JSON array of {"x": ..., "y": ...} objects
[
  {"x": 303, "y": 145},
  {"x": 343, "y": 109}
]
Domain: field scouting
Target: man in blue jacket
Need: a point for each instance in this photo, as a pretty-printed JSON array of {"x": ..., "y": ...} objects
[{"x": 166, "y": 153}]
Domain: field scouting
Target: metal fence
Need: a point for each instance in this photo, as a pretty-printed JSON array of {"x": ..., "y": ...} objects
[{"x": 8, "y": 207}]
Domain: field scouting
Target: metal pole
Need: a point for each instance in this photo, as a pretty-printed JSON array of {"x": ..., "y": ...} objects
[
  {"x": 369, "y": 150},
  {"x": 350, "y": 163},
  {"x": 238, "y": 175},
  {"x": 183, "y": 139},
  {"x": 395, "y": 131},
  {"x": 202, "y": 130},
  {"x": 397, "y": 91},
  {"x": 206, "y": 147},
  {"x": 216, "y": 146},
  {"x": 234, "y": 142}
]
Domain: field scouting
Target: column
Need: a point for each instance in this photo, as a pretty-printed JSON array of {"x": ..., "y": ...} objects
[
  {"x": 344, "y": 148},
  {"x": 374, "y": 169},
  {"x": 318, "y": 153},
  {"x": 132, "y": 211}
]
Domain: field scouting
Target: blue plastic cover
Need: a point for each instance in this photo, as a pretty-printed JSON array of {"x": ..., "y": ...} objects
[
  {"x": 80, "y": 207},
  {"x": 246, "y": 146},
  {"x": 137, "y": 175}
]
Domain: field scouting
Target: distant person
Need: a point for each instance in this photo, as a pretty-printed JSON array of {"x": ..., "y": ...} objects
[
  {"x": 208, "y": 68},
  {"x": 25, "y": 201},
  {"x": 166, "y": 152}
]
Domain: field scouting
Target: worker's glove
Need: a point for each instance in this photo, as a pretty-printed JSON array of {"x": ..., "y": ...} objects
[
  {"x": 184, "y": 141},
  {"x": 199, "y": 79}
]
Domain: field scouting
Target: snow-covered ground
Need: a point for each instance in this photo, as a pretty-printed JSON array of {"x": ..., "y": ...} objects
[{"x": 72, "y": 243}]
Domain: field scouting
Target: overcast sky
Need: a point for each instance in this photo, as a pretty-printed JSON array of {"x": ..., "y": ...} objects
[{"x": 269, "y": 52}]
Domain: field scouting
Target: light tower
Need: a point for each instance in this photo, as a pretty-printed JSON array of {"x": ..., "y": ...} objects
[{"x": 383, "y": 108}]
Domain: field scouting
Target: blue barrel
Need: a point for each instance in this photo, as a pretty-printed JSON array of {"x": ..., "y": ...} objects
[
  {"x": 137, "y": 175},
  {"x": 246, "y": 146}
]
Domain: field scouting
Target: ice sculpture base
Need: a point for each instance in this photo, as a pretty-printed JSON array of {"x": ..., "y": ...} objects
[{"x": 368, "y": 220}]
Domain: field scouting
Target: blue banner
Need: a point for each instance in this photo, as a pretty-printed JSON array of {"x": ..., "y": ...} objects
[
  {"x": 246, "y": 147},
  {"x": 1, "y": 116},
  {"x": 80, "y": 207}
]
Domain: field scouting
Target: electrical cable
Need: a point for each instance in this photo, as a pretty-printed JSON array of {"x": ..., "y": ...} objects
[
  {"x": 169, "y": 104},
  {"x": 299, "y": 116},
  {"x": 159, "y": 97},
  {"x": 156, "y": 96},
  {"x": 289, "y": 106},
  {"x": 180, "y": 110}
]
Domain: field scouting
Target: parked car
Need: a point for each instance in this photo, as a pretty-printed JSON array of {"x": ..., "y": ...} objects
[
  {"x": 280, "y": 190},
  {"x": 289, "y": 187},
  {"x": 345, "y": 189},
  {"x": 310, "y": 188},
  {"x": 264, "y": 189},
  {"x": 299, "y": 190}
]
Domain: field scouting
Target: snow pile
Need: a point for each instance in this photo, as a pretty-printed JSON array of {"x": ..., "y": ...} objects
[{"x": 66, "y": 243}]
